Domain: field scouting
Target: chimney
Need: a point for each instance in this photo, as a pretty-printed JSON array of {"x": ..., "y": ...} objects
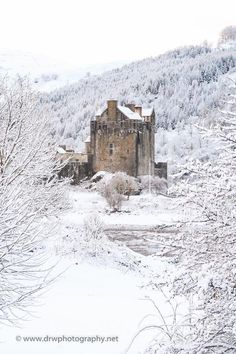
[
  {"x": 131, "y": 106},
  {"x": 112, "y": 107},
  {"x": 138, "y": 109}
]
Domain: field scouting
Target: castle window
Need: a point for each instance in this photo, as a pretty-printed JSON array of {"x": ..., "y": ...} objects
[{"x": 111, "y": 149}]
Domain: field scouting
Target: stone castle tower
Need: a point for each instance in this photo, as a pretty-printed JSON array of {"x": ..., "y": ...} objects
[{"x": 122, "y": 138}]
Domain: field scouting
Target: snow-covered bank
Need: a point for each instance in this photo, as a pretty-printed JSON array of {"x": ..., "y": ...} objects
[
  {"x": 101, "y": 294},
  {"x": 89, "y": 300},
  {"x": 86, "y": 301}
]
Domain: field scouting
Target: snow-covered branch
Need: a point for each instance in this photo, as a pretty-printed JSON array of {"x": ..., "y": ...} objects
[{"x": 29, "y": 194}]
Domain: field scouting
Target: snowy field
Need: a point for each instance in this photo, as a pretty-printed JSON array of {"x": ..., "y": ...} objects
[
  {"x": 105, "y": 294},
  {"x": 146, "y": 209}
]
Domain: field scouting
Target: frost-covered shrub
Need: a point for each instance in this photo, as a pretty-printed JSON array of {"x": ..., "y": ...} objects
[
  {"x": 124, "y": 184},
  {"x": 86, "y": 240},
  {"x": 93, "y": 228},
  {"x": 92, "y": 235},
  {"x": 115, "y": 187},
  {"x": 154, "y": 184},
  {"x": 113, "y": 198}
]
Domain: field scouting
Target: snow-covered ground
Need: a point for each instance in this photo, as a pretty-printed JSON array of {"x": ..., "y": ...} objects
[
  {"x": 88, "y": 300},
  {"x": 142, "y": 210},
  {"x": 105, "y": 294}
]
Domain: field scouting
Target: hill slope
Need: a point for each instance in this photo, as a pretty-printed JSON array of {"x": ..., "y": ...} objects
[{"x": 181, "y": 84}]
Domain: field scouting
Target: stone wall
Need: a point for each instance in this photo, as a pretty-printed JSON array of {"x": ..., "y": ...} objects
[
  {"x": 146, "y": 151},
  {"x": 122, "y": 144},
  {"x": 76, "y": 165},
  {"x": 76, "y": 171},
  {"x": 114, "y": 147}
]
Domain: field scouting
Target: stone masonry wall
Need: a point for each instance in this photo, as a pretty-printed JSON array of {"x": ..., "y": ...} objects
[
  {"x": 114, "y": 147},
  {"x": 121, "y": 144}
]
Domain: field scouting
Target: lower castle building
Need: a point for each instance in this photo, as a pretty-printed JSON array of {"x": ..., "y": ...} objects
[{"x": 122, "y": 138}]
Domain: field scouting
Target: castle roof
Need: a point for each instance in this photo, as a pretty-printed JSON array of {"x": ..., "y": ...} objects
[
  {"x": 129, "y": 114},
  {"x": 146, "y": 112}
]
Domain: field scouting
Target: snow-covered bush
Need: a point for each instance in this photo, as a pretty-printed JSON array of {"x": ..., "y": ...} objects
[
  {"x": 115, "y": 187},
  {"x": 93, "y": 228},
  {"x": 92, "y": 235},
  {"x": 124, "y": 184},
  {"x": 154, "y": 184},
  {"x": 113, "y": 198}
]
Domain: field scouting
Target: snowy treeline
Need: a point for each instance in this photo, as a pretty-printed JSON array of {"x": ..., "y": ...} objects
[
  {"x": 179, "y": 84},
  {"x": 205, "y": 256}
]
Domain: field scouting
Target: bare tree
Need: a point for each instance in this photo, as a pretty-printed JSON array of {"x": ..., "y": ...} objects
[{"x": 29, "y": 194}]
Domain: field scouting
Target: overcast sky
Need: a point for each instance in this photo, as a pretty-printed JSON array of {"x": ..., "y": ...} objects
[{"x": 86, "y": 32}]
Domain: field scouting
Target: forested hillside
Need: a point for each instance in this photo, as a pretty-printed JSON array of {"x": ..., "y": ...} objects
[{"x": 181, "y": 85}]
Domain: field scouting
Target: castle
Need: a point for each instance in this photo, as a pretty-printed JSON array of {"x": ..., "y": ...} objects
[{"x": 122, "y": 138}]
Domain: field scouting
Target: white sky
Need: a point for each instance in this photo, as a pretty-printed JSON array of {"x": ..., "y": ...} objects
[{"x": 86, "y": 32}]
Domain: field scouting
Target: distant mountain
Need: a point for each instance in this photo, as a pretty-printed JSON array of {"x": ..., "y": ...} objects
[
  {"x": 182, "y": 85},
  {"x": 46, "y": 74}
]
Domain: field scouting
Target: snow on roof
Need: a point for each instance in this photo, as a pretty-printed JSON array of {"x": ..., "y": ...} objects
[
  {"x": 60, "y": 150},
  {"x": 129, "y": 114},
  {"x": 88, "y": 139},
  {"x": 147, "y": 112}
]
